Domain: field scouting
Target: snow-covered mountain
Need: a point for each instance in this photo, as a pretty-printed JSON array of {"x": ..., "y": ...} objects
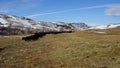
[
  {"x": 79, "y": 26},
  {"x": 23, "y": 22},
  {"x": 105, "y": 26},
  {"x": 14, "y": 21},
  {"x": 65, "y": 26}
]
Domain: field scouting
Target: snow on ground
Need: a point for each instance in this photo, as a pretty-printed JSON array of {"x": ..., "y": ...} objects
[
  {"x": 1, "y": 36},
  {"x": 98, "y": 27},
  {"x": 100, "y": 32}
]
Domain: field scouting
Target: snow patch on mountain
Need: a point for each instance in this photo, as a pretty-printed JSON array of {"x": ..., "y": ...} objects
[
  {"x": 3, "y": 21},
  {"x": 105, "y": 26},
  {"x": 79, "y": 26}
]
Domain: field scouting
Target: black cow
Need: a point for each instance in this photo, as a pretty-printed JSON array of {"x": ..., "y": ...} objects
[
  {"x": 29, "y": 38},
  {"x": 34, "y": 37},
  {"x": 41, "y": 34}
]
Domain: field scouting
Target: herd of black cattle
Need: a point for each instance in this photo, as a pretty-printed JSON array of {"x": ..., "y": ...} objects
[{"x": 36, "y": 36}]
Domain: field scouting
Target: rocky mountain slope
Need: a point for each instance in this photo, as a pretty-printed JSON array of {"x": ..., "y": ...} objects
[
  {"x": 9, "y": 23},
  {"x": 23, "y": 23},
  {"x": 14, "y": 21}
]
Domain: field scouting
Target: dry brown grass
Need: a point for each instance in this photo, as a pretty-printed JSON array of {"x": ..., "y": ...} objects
[{"x": 75, "y": 50}]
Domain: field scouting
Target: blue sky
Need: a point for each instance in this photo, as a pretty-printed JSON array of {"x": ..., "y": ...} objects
[{"x": 92, "y": 12}]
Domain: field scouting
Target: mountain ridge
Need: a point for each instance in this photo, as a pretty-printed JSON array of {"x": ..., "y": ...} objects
[
  {"x": 23, "y": 23},
  {"x": 32, "y": 26}
]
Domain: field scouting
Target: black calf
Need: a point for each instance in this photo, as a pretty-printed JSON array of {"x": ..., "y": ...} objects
[{"x": 2, "y": 49}]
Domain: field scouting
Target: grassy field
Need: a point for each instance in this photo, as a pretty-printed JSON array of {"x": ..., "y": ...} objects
[{"x": 84, "y": 49}]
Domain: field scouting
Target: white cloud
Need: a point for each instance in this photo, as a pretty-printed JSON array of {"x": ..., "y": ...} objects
[
  {"x": 113, "y": 11},
  {"x": 63, "y": 11}
]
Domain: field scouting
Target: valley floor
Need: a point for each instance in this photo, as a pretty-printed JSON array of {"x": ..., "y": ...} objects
[{"x": 68, "y": 50}]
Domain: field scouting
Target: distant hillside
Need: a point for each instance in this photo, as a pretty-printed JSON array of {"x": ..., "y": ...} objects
[
  {"x": 108, "y": 26},
  {"x": 13, "y": 25},
  {"x": 10, "y": 24}
]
